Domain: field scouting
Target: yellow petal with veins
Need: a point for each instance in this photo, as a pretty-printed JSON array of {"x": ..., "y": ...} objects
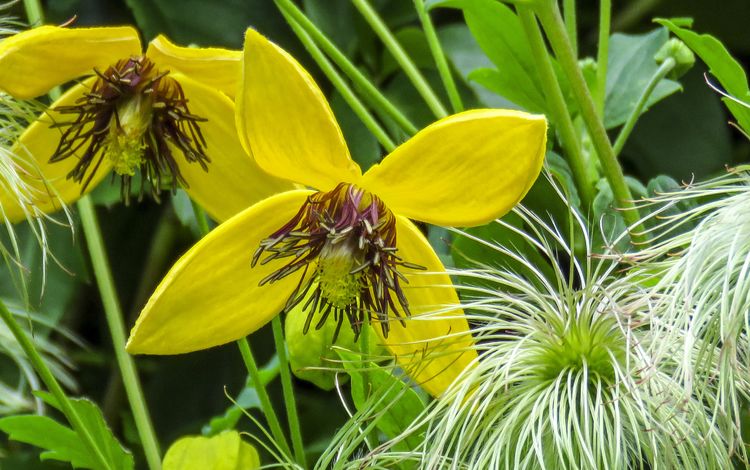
[
  {"x": 463, "y": 170},
  {"x": 211, "y": 295},
  {"x": 436, "y": 344},
  {"x": 212, "y": 66},
  {"x": 35, "y": 61},
  {"x": 47, "y": 183},
  {"x": 233, "y": 181},
  {"x": 284, "y": 118}
]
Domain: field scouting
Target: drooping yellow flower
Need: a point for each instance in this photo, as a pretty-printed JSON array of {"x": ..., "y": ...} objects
[
  {"x": 348, "y": 251},
  {"x": 167, "y": 114}
]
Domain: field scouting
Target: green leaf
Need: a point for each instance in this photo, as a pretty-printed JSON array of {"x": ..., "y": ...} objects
[
  {"x": 226, "y": 451},
  {"x": 722, "y": 65},
  {"x": 499, "y": 33},
  {"x": 630, "y": 67},
  {"x": 389, "y": 400},
  {"x": 91, "y": 416},
  {"x": 60, "y": 443}
]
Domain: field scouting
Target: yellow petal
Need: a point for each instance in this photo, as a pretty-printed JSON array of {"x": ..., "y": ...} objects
[
  {"x": 284, "y": 118},
  {"x": 233, "y": 181},
  {"x": 463, "y": 170},
  {"x": 47, "y": 182},
  {"x": 211, "y": 295},
  {"x": 35, "y": 61},
  {"x": 215, "y": 67},
  {"x": 436, "y": 344}
]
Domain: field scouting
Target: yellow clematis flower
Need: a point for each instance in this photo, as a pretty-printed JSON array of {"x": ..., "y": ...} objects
[
  {"x": 134, "y": 112},
  {"x": 348, "y": 251}
]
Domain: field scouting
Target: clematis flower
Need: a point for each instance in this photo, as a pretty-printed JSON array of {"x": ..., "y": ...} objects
[
  {"x": 346, "y": 251},
  {"x": 167, "y": 114}
]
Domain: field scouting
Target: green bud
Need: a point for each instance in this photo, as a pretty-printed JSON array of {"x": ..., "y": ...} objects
[
  {"x": 682, "y": 55},
  {"x": 311, "y": 354}
]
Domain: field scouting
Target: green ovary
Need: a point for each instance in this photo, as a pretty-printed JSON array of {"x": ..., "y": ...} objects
[
  {"x": 339, "y": 286},
  {"x": 124, "y": 145}
]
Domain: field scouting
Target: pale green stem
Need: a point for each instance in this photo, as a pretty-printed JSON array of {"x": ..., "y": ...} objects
[
  {"x": 364, "y": 361},
  {"x": 249, "y": 360},
  {"x": 627, "y": 128},
  {"x": 288, "y": 389},
  {"x": 34, "y": 12},
  {"x": 602, "y": 54},
  {"x": 437, "y": 54},
  {"x": 265, "y": 401},
  {"x": 549, "y": 14},
  {"x": 346, "y": 92},
  {"x": 54, "y": 387},
  {"x": 557, "y": 106},
  {"x": 112, "y": 310},
  {"x": 571, "y": 23},
  {"x": 402, "y": 58},
  {"x": 113, "y": 314},
  {"x": 370, "y": 92}
]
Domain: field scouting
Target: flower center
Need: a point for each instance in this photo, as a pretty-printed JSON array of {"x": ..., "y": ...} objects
[
  {"x": 134, "y": 116},
  {"x": 344, "y": 242}
]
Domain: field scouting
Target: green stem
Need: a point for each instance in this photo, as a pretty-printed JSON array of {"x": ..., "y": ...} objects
[
  {"x": 249, "y": 359},
  {"x": 364, "y": 361},
  {"x": 402, "y": 58},
  {"x": 602, "y": 54},
  {"x": 34, "y": 12},
  {"x": 286, "y": 384},
  {"x": 370, "y": 92},
  {"x": 113, "y": 314},
  {"x": 627, "y": 128},
  {"x": 54, "y": 387},
  {"x": 346, "y": 92},
  {"x": 557, "y": 106},
  {"x": 549, "y": 14},
  {"x": 437, "y": 54},
  {"x": 571, "y": 23},
  {"x": 265, "y": 401}
]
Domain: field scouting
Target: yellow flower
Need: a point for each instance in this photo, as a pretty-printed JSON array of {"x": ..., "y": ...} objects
[
  {"x": 346, "y": 252},
  {"x": 133, "y": 113}
]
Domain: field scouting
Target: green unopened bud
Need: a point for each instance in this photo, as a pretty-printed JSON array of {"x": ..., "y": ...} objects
[
  {"x": 588, "y": 68},
  {"x": 680, "y": 53},
  {"x": 311, "y": 354}
]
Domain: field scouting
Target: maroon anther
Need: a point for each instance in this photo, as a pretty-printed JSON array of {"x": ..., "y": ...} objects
[{"x": 344, "y": 241}]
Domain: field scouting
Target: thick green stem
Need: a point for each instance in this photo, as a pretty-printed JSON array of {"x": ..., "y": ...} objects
[
  {"x": 265, "y": 401},
  {"x": 346, "y": 92},
  {"x": 369, "y": 91},
  {"x": 288, "y": 389},
  {"x": 557, "y": 106},
  {"x": 571, "y": 23},
  {"x": 52, "y": 385},
  {"x": 549, "y": 14},
  {"x": 602, "y": 54},
  {"x": 402, "y": 58},
  {"x": 249, "y": 360},
  {"x": 627, "y": 128},
  {"x": 113, "y": 314},
  {"x": 437, "y": 54}
]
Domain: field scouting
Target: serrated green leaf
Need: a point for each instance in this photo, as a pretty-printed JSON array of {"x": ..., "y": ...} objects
[
  {"x": 226, "y": 451},
  {"x": 722, "y": 66},
  {"x": 392, "y": 403},
  {"x": 499, "y": 33},
  {"x": 91, "y": 416},
  {"x": 60, "y": 442},
  {"x": 630, "y": 67}
]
